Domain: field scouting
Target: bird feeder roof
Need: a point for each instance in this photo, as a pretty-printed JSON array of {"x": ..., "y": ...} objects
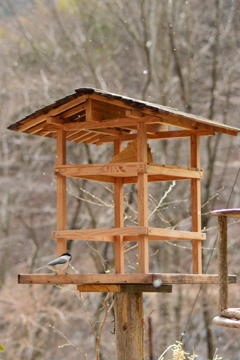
[{"x": 96, "y": 116}]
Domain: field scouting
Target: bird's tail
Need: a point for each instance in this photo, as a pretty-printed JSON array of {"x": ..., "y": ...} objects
[{"x": 40, "y": 268}]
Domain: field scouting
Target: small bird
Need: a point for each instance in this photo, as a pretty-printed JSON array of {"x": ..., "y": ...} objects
[{"x": 59, "y": 264}]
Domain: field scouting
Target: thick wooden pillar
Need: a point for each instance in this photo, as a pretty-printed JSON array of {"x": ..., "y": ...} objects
[
  {"x": 129, "y": 325},
  {"x": 143, "y": 256},
  {"x": 196, "y": 206},
  {"x": 61, "y": 191},
  {"x": 222, "y": 263},
  {"x": 119, "y": 215}
]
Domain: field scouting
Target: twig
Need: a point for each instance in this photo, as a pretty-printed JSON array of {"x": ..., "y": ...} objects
[{"x": 69, "y": 343}]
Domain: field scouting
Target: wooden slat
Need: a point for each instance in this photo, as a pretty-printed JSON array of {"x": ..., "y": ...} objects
[
  {"x": 232, "y": 213},
  {"x": 153, "y": 178},
  {"x": 114, "y": 169},
  {"x": 119, "y": 215},
  {"x": 117, "y": 279},
  {"x": 87, "y": 135},
  {"x": 143, "y": 250},
  {"x": 169, "y": 234},
  {"x": 91, "y": 233},
  {"x": 93, "y": 138},
  {"x": 100, "y": 178},
  {"x": 124, "y": 288},
  {"x": 196, "y": 205},
  {"x": 129, "y": 234},
  {"x": 160, "y": 135},
  {"x": 78, "y": 135},
  {"x": 175, "y": 171},
  {"x": 61, "y": 192},
  {"x": 79, "y": 109}
]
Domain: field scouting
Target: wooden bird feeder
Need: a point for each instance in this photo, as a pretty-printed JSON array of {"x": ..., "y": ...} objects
[
  {"x": 99, "y": 117},
  {"x": 227, "y": 317}
]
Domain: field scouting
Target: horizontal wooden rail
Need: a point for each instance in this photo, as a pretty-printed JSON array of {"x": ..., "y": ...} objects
[
  {"x": 128, "y": 171},
  {"x": 99, "y": 234},
  {"x": 122, "y": 279},
  {"x": 124, "y": 288},
  {"x": 115, "y": 170},
  {"x": 128, "y": 233}
]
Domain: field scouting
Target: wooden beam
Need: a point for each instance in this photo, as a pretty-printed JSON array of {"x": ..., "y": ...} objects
[
  {"x": 124, "y": 288},
  {"x": 91, "y": 233},
  {"x": 117, "y": 279},
  {"x": 176, "y": 171},
  {"x": 169, "y": 234},
  {"x": 129, "y": 234},
  {"x": 162, "y": 135},
  {"x": 196, "y": 205},
  {"x": 100, "y": 178},
  {"x": 119, "y": 215},
  {"x": 54, "y": 121},
  {"x": 143, "y": 251},
  {"x": 113, "y": 169},
  {"x": 61, "y": 192},
  {"x": 232, "y": 213}
]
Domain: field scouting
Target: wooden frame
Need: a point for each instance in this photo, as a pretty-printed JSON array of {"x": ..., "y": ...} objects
[
  {"x": 96, "y": 116},
  {"x": 61, "y": 192}
]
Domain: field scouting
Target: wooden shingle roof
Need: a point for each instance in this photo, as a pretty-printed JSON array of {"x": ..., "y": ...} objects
[{"x": 97, "y": 116}]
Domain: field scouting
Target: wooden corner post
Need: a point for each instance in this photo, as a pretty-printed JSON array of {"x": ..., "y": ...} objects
[
  {"x": 196, "y": 206},
  {"x": 119, "y": 215},
  {"x": 143, "y": 259},
  {"x": 61, "y": 191}
]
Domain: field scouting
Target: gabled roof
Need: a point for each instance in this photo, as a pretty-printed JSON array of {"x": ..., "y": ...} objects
[{"x": 98, "y": 116}]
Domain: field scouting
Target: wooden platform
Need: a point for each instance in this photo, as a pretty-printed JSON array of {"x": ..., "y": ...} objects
[{"x": 118, "y": 279}]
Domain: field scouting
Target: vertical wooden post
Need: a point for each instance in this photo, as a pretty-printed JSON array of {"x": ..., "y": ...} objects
[
  {"x": 119, "y": 215},
  {"x": 143, "y": 260},
  {"x": 61, "y": 191},
  {"x": 222, "y": 263},
  {"x": 196, "y": 206},
  {"x": 129, "y": 325}
]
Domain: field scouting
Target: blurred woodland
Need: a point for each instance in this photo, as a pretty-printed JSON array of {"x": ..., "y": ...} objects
[{"x": 182, "y": 54}]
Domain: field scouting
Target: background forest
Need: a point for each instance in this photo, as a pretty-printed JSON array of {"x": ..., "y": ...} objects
[{"x": 182, "y": 54}]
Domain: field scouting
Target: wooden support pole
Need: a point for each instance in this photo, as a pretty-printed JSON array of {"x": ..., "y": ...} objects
[
  {"x": 119, "y": 215},
  {"x": 129, "y": 325},
  {"x": 143, "y": 256},
  {"x": 196, "y": 206},
  {"x": 61, "y": 191},
  {"x": 222, "y": 263}
]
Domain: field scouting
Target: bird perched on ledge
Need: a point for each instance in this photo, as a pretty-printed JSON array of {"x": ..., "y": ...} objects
[{"x": 59, "y": 264}]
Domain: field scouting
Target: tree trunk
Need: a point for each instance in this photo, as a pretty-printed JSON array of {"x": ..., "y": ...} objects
[{"x": 129, "y": 325}]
